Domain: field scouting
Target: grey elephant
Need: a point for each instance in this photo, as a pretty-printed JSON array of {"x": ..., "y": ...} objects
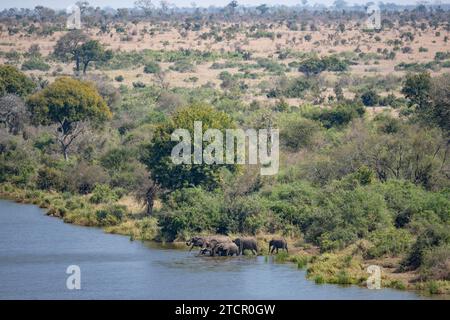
[
  {"x": 227, "y": 249},
  {"x": 212, "y": 243},
  {"x": 277, "y": 244},
  {"x": 246, "y": 243},
  {"x": 197, "y": 241}
]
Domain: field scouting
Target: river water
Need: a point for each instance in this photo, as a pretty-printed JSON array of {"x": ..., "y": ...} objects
[{"x": 35, "y": 251}]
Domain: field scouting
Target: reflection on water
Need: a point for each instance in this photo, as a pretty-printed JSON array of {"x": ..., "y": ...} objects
[{"x": 35, "y": 251}]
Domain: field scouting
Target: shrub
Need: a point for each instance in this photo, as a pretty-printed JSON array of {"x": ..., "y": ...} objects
[
  {"x": 182, "y": 66},
  {"x": 50, "y": 179},
  {"x": 139, "y": 84},
  {"x": 119, "y": 78},
  {"x": 102, "y": 193},
  {"x": 336, "y": 117},
  {"x": 15, "y": 82},
  {"x": 390, "y": 242},
  {"x": 298, "y": 132},
  {"x": 152, "y": 67},
  {"x": 432, "y": 236},
  {"x": 436, "y": 263},
  {"x": 35, "y": 64},
  {"x": 370, "y": 98},
  {"x": 110, "y": 215}
]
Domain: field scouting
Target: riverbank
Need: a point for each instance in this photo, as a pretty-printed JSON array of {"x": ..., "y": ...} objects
[{"x": 344, "y": 267}]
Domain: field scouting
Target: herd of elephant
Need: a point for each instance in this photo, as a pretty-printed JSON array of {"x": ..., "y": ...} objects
[{"x": 224, "y": 246}]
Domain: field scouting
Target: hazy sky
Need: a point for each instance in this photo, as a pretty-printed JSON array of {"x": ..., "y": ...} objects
[{"x": 201, "y": 3}]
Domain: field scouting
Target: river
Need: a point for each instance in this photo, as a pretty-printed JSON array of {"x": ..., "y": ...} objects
[{"x": 35, "y": 251}]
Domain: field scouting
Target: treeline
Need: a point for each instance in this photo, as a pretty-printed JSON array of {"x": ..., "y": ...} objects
[{"x": 194, "y": 17}]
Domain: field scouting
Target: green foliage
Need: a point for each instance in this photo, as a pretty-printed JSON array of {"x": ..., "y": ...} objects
[
  {"x": 35, "y": 64},
  {"x": 157, "y": 155},
  {"x": 337, "y": 116},
  {"x": 66, "y": 101},
  {"x": 102, "y": 193},
  {"x": 297, "y": 132},
  {"x": 14, "y": 82},
  {"x": 189, "y": 211},
  {"x": 110, "y": 215},
  {"x": 417, "y": 89},
  {"x": 152, "y": 67},
  {"x": 370, "y": 98},
  {"x": 391, "y": 242},
  {"x": 433, "y": 236},
  {"x": 51, "y": 179}
]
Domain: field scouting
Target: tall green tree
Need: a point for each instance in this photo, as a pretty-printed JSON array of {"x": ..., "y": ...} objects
[
  {"x": 157, "y": 154},
  {"x": 68, "y": 47},
  {"x": 417, "y": 90},
  {"x": 93, "y": 51},
  {"x": 13, "y": 81},
  {"x": 70, "y": 104}
]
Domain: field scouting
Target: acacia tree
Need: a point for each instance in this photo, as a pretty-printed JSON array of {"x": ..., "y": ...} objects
[
  {"x": 417, "y": 89},
  {"x": 70, "y": 104},
  {"x": 92, "y": 50},
  {"x": 68, "y": 47}
]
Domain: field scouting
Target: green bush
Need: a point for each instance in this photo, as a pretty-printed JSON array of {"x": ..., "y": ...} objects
[
  {"x": 102, "y": 193},
  {"x": 298, "y": 132},
  {"x": 337, "y": 116},
  {"x": 391, "y": 241},
  {"x": 436, "y": 263},
  {"x": 51, "y": 179},
  {"x": 182, "y": 66},
  {"x": 111, "y": 215},
  {"x": 152, "y": 67},
  {"x": 35, "y": 64}
]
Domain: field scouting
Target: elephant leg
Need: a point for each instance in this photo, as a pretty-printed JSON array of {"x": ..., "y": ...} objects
[{"x": 277, "y": 250}]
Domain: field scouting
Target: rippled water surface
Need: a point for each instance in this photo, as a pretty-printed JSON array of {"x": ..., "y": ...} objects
[{"x": 35, "y": 251}]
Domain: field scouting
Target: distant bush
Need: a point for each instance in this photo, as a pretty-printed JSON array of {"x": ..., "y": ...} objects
[
  {"x": 370, "y": 98},
  {"x": 182, "y": 66},
  {"x": 298, "y": 132},
  {"x": 35, "y": 64},
  {"x": 337, "y": 116},
  {"x": 152, "y": 67},
  {"x": 139, "y": 84},
  {"x": 119, "y": 78}
]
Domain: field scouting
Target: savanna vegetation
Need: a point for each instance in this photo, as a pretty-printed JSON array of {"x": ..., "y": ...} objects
[{"x": 364, "y": 168}]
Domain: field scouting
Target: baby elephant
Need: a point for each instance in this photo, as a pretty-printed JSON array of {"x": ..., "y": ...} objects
[
  {"x": 277, "y": 244},
  {"x": 246, "y": 244},
  {"x": 227, "y": 249}
]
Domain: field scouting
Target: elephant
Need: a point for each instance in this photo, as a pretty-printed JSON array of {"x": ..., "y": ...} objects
[
  {"x": 213, "y": 243},
  {"x": 278, "y": 244},
  {"x": 197, "y": 242},
  {"x": 227, "y": 249},
  {"x": 247, "y": 243}
]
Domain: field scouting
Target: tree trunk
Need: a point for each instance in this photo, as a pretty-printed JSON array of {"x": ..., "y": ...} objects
[
  {"x": 150, "y": 196},
  {"x": 65, "y": 152},
  {"x": 85, "y": 66},
  {"x": 77, "y": 63}
]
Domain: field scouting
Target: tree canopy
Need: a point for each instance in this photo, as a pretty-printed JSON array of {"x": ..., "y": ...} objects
[
  {"x": 157, "y": 155},
  {"x": 13, "y": 81},
  {"x": 68, "y": 102}
]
